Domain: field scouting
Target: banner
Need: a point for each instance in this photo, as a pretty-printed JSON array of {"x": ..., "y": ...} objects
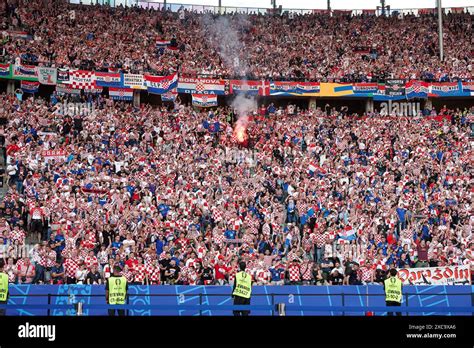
[
  {"x": 202, "y": 86},
  {"x": 121, "y": 93},
  {"x": 395, "y": 88},
  {"x": 66, "y": 89},
  {"x": 308, "y": 88},
  {"x": 427, "y": 10},
  {"x": 47, "y": 76},
  {"x": 468, "y": 88},
  {"x": 347, "y": 234},
  {"x": 445, "y": 89},
  {"x": 288, "y": 88},
  {"x": 94, "y": 81},
  {"x": 417, "y": 89},
  {"x": 19, "y": 35},
  {"x": 5, "y": 71},
  {"x": 62, "y": 76},
  {"x": 204, "y": 100},
  {"x": 161, "y": 84},
  {"x": 365, "y": 89},
  {"x": 25, "y": 72},
  {"x": 336, "y": 89},
  {"x": 169, "y": 96},
  {"x": 54, "y": 155},
  {"x": 449, "y": 275},
  {"x": 162, "y": 43},
  {"x": 105, "y": 79},
  {"x": 82, "y": 79},
  {"x": 134, "y": 81},
  {"x": 30, "y": 86},
  {"x": 250, "y": 87}
]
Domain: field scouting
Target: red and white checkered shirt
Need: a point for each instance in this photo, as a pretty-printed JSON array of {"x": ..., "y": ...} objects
[
  {"x": 291, "y": 255},
  {"x": 153, "y": 273},
  {"x": 318, "y": 239},
  {"x": 162, "y": 256},
  {"x": 294, "y": 272},
  {"x": 128, "y": 275},
  {"x": 183, "y": 274},
  {"x": 307, "y": 243},
  {"x": 70, "y": 267},
  {"x": 17, "y": 235},
  {"x": 140, "y": 273},
  {"x": 218, "y": 239},
  {"x": 262, "y": 276},
  {"x": 42, "y": 260},
  {"x": 366, "y": 273},
  {"x": 36, "y": 213},
  {"x": 90, "y": 261},
  {"x": 266, "y": 229},
  {"x": 192, "y": 277},
  {"x": 306, "y": 271},
  {"x": 50, "y": 259}
]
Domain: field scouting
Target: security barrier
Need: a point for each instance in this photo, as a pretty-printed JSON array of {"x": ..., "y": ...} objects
[{"x": 216, "y": 300}]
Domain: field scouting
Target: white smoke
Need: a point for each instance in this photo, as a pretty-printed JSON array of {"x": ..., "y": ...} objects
[
  {"x": 224, "y": 37},
  {"x": 244, "y": 106}
]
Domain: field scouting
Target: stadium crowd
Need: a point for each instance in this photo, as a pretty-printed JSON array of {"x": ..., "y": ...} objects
[
  {"x": 170, "y": 195},
  {"x": 303, "y": 47}
]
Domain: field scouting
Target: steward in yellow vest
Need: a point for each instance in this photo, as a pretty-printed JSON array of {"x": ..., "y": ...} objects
[
  {"x": 3, "y": 288},
  {"x": 116, "y": 291},
  {"x": 393, "y": 291},
  {"x": 242, "y": 290}
]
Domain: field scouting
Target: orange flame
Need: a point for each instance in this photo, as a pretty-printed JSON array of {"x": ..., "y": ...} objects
[{"x": 240, "y": 132}]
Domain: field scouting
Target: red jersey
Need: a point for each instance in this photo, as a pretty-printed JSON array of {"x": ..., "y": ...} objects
[{"x": 221, "y": 271}]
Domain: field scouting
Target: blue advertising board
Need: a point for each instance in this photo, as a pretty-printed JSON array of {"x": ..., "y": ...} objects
[{"x": 431, "y": 297}]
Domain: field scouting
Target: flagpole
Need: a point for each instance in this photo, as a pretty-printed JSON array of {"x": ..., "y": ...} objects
[{"x": 440, "y": 30}]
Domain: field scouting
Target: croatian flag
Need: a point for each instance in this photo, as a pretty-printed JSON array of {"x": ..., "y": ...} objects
[
  {"x": 468, "y": 88},
  {"x": 348, "y": 233},
  {"x": 20, "y": 35},
  {"x": 204, "y": 100},
  {"x": 161, "y": 84},
  {"x": 313, "y": 169},
  {"x": 104, "y": 79},
  {"x": 169, "y": 96},
  {"x": 4, "y": 69},
  {"x": 30, "y": 87},
  {"x": 162, "y": 43},
  {"x": 121, "y": 93}
]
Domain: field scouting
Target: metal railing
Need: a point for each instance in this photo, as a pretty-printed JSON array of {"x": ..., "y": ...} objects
[
  {"x": 146, "y": 4},
  {"x": 341, "y": 298}
]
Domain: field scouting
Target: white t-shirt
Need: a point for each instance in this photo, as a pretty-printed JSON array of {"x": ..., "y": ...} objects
[{"x": 11, "y": 169}]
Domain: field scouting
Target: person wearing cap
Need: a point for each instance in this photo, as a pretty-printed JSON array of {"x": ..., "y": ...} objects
[
  {"x": 393, "y": 291},
  {"x": 242, "y": 289},
  {"x": 3, "y": 288},
  {"x": 116, "y": 291}
]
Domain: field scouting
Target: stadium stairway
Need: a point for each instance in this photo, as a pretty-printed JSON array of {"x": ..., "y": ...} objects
[{"x": 3, "y": 181}]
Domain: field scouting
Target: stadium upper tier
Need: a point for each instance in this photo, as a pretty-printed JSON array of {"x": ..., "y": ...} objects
[{"x": 309, "y": 47}]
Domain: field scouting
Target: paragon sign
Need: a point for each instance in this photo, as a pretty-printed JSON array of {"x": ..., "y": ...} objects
[{"x": 449, "y": 275}]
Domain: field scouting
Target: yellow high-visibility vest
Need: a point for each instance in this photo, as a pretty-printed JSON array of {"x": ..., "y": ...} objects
[
  {"x": 3, "y": 287},
  {"x": 393, "y": 289},
  {"x": 117, "y": 290},
  {"x": 243, "y": 285}
]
